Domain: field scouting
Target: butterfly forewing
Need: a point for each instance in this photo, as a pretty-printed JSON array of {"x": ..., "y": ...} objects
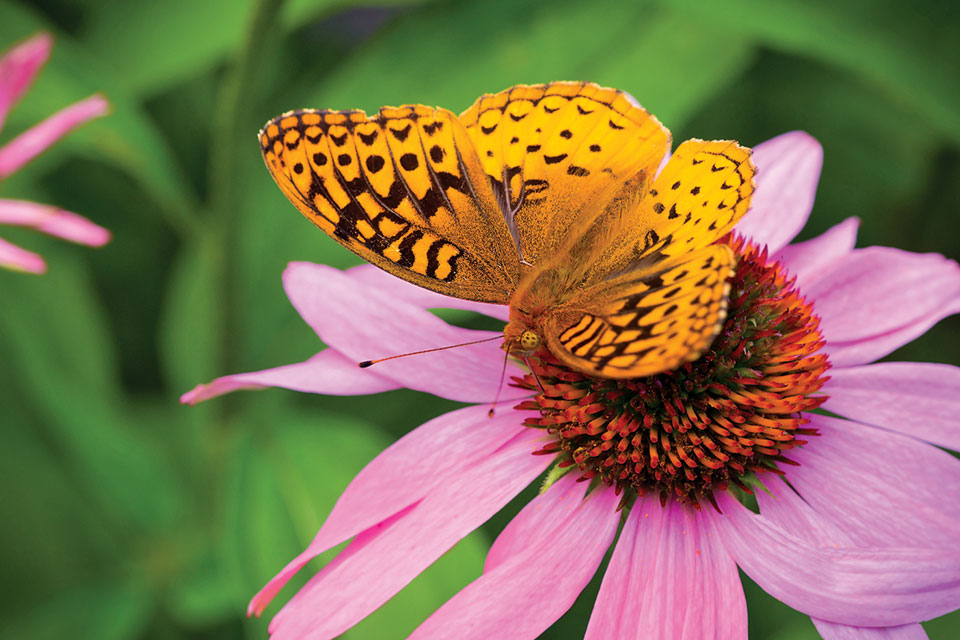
[
  {"x": 556, "y": 153},
  {"x": 403, "y": 189}
]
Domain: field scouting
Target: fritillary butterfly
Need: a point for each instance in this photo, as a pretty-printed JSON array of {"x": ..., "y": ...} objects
[{"x": 543, "y": 197}]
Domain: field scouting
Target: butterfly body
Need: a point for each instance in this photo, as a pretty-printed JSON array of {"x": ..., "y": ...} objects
[{"x": 543, "y": 197}]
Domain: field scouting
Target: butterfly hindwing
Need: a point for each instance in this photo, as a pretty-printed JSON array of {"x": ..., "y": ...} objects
[
  {"x": 645, "y": 322},
  {"x": 403, "y": 189},
  {"x": 556, "y": 153}
]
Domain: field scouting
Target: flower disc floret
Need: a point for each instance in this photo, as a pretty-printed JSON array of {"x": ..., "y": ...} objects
[{"x": 720, "y": 420}]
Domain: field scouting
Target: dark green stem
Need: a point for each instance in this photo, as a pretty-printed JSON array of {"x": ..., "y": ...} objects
[{"x": 230, "y": 138}]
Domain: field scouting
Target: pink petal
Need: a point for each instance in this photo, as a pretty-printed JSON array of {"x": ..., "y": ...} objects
[
  {"x": 867, "y": 587},
  {"x": 377, "y": 564},
  {"x": 846, "y": 354},
  {"x": 328, "y": 372},
  {"x": 533, "y": 579},
  {"x": 788, "y": 168},
  {"x": 53, "y": 221},
  {"x": 13, "y": 257},
  {"x": 809, "y": 260},
  {"x": 18, "y": 67},
  {"x": 38, "y": 138},
  {"x": 880, "y": 487},
  {"x": 425, "y": 459},
  {"x": 423, "y": 298},
  {"x": 668, "y": 578},
  {"x": 918, "y": 399},
  {"x": 781, "y": 505},
  {"x": 878, "y": 290},
  {"x": 367, "y": 322},
  {"x": 834, "y": 631}
]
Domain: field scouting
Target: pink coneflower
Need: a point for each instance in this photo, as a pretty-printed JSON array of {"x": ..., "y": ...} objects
[
  {"x": 18, "y": 67},
  {"x": 857, "y": 518}
]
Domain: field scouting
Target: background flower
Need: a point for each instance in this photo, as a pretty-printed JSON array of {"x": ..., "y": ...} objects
[
  {"x": 127, "y": 515},
  {"x": 18, "y": 67}
]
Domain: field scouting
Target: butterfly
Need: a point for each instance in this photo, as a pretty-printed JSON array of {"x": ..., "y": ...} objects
[{"x": 544, "y": 197}]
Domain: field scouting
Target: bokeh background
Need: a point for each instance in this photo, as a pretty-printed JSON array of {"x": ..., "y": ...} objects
[{"x": 126, "y": 515}]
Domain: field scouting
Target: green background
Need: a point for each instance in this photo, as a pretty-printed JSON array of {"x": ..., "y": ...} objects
[{"x": 127, "y": 515}]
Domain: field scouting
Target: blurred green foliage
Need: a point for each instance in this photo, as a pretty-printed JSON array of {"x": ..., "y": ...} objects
[{"x": 126, "y": 515}]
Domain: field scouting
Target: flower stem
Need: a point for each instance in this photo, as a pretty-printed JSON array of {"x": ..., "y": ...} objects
[{"x": 229, "y": 137}]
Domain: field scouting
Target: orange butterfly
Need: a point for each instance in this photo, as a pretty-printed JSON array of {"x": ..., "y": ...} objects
[{"x": 542, "y": 197}]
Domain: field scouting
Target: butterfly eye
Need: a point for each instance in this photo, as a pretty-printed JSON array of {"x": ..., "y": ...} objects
[{"x": 529, "y": 340}]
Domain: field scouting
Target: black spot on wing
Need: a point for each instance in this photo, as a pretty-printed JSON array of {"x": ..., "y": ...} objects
[
  {"x": 375, "y": 163},
  {"x": 401, "y": 134},
  {"x": 409, "y": 161}
]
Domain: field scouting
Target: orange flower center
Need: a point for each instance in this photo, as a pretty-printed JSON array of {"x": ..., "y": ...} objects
[{"x": 717, "y": 421}]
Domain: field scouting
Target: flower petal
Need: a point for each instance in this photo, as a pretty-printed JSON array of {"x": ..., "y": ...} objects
[
  {"x": 427, "y": 458},
  {"x": 918, "y": 399},
  {"x": 366, "y": 322},
  {"x": 668, "y": 578},
  {"x": 18, "y": 68},
  {"x": 855, "y": 352},
  {"x": 834, "y": 631},
  {"x": 788, "y": 168},
  {"x": 876, "y": 291},
  {"x": 867, "y": 587},
  {"x": 809, "y": 260},
  {"x": 379, "y": 563},
  {"x": 13, "y": 257},
  {"x": 329, "y": 372},
  {"x": 780, "y": 504},
  {"x": 880, "y": 487},
  {"x": 423, "y": 298},
  {"x": 53, "y": 221},
  {"x": 38, "y": 138},
  {"x": 569, "y": 536}
]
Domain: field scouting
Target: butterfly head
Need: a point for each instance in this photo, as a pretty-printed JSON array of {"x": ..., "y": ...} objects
[
  {"x": 520, "y": 339},
  {"x": 529, "y": 341}
]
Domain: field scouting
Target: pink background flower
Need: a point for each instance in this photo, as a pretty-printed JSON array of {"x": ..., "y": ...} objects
[{"x": 18, "y": 68}]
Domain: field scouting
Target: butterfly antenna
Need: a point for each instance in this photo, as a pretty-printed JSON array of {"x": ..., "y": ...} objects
[
  {"x": 503, "y": 373},
  {"x": 535, "y": 376},
  {"x": 370, "y": 363}
]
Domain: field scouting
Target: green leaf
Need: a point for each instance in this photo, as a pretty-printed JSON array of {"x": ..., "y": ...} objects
[
  {"x": 190, "y": 342},
  {"x": 106, "y": 611},
  {"x": 158, "y": 44},
  {"x": 910, "y": 54},
  {"x": 668, "y": 64},
  {"x": 50, "y": 534},
  {"x": 61, "y": 354}
]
